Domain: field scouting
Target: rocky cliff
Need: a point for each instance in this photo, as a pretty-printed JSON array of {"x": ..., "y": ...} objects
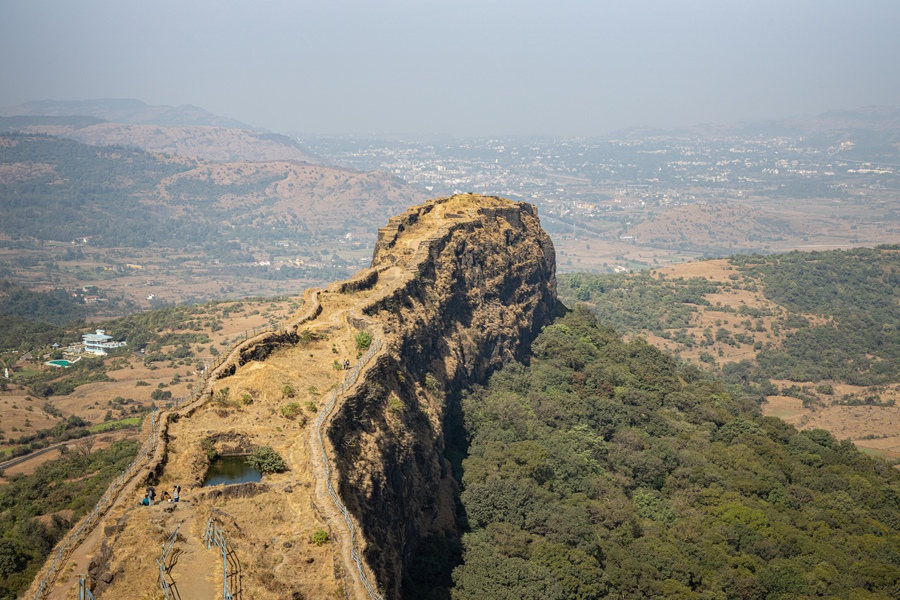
[
  {"x": 457, "y": 287},
  {"x": 476, "y": 282}
]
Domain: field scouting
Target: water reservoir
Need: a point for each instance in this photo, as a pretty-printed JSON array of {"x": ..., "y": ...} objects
[{"x": 230, "y": 469}]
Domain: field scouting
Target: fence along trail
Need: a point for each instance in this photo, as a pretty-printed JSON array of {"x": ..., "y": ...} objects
[{"x": 47, "y": 583}]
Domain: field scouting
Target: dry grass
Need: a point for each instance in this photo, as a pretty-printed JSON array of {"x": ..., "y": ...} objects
[
  {"x": 270, "y": 533},
  {"x": 91, "y": 401}
]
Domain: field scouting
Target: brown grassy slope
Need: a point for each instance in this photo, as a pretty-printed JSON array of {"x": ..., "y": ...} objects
[
  {"x": 316, "y": 196},
  {"x": 713, "y": 225},
  {"x": 221, "y": 322}
]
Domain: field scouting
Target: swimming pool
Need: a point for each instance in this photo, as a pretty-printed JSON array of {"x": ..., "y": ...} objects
[{"x": 59, "y": 363}]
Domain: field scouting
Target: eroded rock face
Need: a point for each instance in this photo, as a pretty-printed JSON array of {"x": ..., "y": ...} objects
[{"x": 477, "y": 283}]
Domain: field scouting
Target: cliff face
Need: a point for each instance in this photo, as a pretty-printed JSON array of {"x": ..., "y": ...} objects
[
  {"x": 475, "y": 284},
  {"x": 457, "y": 287}
]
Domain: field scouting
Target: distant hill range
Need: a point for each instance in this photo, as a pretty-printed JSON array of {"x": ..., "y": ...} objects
[
  {"x": 869, "y": 134},
  {"x": 183, "y": 130},
  {"x": 124, "y": 110},
  {"x": 54, "y": 188}
]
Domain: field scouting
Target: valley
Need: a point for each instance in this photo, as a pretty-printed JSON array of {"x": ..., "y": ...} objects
[{"x": 189, "y": 259}]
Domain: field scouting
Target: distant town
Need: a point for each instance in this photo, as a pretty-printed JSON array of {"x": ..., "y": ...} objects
[{"x": 605, "y": 187}]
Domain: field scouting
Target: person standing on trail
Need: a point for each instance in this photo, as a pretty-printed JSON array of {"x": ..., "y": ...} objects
[
  {"x": 151, "y": 493},
  {"x": 176, "y": 493}
]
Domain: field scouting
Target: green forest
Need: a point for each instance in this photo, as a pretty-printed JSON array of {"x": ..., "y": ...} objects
[
  {"x": 857, "y": 290},
  {"x": 603, "y": 469},
  {"x": 855, "y": 293},
  {"x": 37, "y": 510},
  {"x": 90, "y": 191}
]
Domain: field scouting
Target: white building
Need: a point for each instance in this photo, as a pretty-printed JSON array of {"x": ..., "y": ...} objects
[{"x": 98, "y": 343}]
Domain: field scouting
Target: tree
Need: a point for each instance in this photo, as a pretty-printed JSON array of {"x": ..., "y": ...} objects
[{"x": 265, "y": 460}]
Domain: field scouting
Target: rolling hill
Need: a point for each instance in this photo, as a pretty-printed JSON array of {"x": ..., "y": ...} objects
[{"x": 124, "y": 110}]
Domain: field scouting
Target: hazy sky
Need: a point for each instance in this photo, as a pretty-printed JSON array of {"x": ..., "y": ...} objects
[{"x": 461, "y": 67}]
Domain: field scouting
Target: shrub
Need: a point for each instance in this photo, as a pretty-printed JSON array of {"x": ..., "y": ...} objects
[
  {"x": 312, "y": 406},
  {"x": 266, "y": 460},
  {"x": 288, "y": 391},
  {"x": 363, "y": 340},
  {"x": 307, "y": 336},
  {"x": 320, "y": 537},
  {"x": 395, "y": 405},
  {"x": 162, "y": 395},
  {"x": 290, "y": 410},
  {"x": 207, "y": 446},
  {"x": 222, "y": 395}
]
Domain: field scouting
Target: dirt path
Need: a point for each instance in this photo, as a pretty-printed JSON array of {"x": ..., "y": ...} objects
[
  {"x": 192, "y": 566},
  {"x": 325, "y": 504},
  {"x": 195, "y": 568},
  {"x": 66, "y": 583},
  {"x": 329, "y": 510},
  {"x": 79, "y": 560}
]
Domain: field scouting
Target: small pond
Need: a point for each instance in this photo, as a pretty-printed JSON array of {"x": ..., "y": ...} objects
[{"x": 230, "y": 469}]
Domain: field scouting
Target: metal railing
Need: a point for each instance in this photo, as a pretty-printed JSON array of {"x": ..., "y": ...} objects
[
  {"x": 215, "y": 536},
  {"x": 87, "y": 523},
  {"x": 163, "y": 562},
  {"x": 83, "y": 592},
  {"x": 233, "y": 344},
  {"x": 346, "y": 384}
]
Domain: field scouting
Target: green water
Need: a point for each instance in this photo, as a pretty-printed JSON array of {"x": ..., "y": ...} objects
[
  {"x": 59, "y": 363},
  {"x": 230, "y": 469}
]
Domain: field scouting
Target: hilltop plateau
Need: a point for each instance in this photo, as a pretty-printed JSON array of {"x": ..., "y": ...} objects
[
  {"x": 182, "y": 130},
  {"x": 195, "y": 141},
  {"x": 123, "y": 110}
]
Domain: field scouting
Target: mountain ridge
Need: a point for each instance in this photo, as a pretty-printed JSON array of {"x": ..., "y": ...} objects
[{"x": 126, "y": 110}]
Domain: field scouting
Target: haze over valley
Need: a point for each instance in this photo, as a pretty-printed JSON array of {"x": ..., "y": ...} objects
[{"x": 452, "y": 301}]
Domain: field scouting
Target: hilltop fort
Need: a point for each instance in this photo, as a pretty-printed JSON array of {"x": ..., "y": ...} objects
[{"x": 457, "y": 287}]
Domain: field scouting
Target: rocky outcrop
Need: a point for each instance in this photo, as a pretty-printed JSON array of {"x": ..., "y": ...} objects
[{"x": 476, "y": 283}]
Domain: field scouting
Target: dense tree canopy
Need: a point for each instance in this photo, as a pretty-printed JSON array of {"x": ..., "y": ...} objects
[
  {"x": 603, "y": 470},
  {"x": 37, "y": 510}
]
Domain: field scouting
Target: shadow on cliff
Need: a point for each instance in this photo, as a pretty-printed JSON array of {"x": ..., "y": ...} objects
[{"x": 476, "y": 300}]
